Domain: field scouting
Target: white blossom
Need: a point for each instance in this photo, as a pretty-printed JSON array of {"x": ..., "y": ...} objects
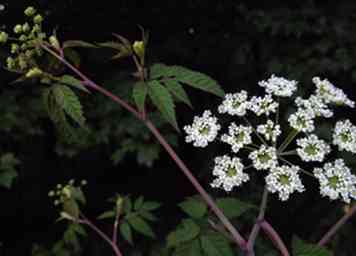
[
  {"x": 312, "y": 148},
  {"x": 315, "y": 106},
  {"x": 344, "y": 136},
  {"x": 330, "y": 93},
  {"x": 336, "y": 181},
  {"x": 265, "y": 105},
  {"x": 302, "y": 121},
  {"x": 284, "y": 180},
  {"x": 269, "y": 130},
  {"x": 229, "y": 172},
  {"x": 279, "y": 86},
  {"x": 238, "y": 136},
  {"x": 264, "y": 157},
  {"x": 203, "y": 130},
  {"x": 234, "y": 104}
]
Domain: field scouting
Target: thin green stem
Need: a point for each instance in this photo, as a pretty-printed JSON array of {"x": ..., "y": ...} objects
[
  {"x": 288, "y": 140},
  {"x": 301, "y": 169},
  {"x": 254, "y": 130},
  {"x": 288, "y": 153}
]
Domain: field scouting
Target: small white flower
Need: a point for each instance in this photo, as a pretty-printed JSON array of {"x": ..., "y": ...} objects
[
  {"x": 265, "y": 105},
  {"x": 344, "y": 136},
  {"x": 279, "y": 86},
  {"x": 203, "y": 130},
  {"x": 229, "y": 172},
  {"x": 315, "y": 106},
  {"x": 264, "y": 158},
  {"x": 302, "y": 121},
  {"x": 336, "y": 181},
  {"x": 312, "y": 148},
  {"x": 238, "y": 136},
  {"x": 269, "y": 130},
  {"x": 234, "y": 104},
  {"x": 330, "y": 93},
  {"x": 284, "y": 180}
]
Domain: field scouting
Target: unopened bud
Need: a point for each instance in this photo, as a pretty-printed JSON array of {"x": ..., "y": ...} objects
[
  {"x": 3, "y": 37},
  {"x": 139, "y": 48},
  {"x": 34, "y": 72},
  {"x": 30, "y": 11},
  {"x": 54, "y": 42},
  {"x": 38, "y": 19},
  {"x": 18, "y": 29}
]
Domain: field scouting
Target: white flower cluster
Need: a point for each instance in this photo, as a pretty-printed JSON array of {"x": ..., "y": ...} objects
[
  {"x": 330, "y": 93},
  {"x": 235, "y": 104},
  {"x": 345, "y": 136},
  {"x": 203, "y": 130},
  {"x": 229, "y": 172},
  {"x": 302, "y": 121},
  {"x": 315, "y": 106},
  {"x": 336, "y": 181},
  {"x": 264, "y": 158},
  {"x": 312, "y": 148},
  {"x": 284, "y": 180},
  {"x": 269, "y": 130},
  {"x": 238, "y": 136},
  {"x": 267, "y": 150},
  {"x": 279, "y": 86},
  {"x": 263, "y": 105}
]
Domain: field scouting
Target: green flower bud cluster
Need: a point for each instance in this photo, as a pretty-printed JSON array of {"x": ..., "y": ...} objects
[
  {"x": 63, "y": 193},
  {"x": 25, "y": 48}
]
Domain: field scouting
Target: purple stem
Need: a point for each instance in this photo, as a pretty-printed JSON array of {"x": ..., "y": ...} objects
[
  {"x": 114, "y": 247},
  {"x": 239, "y": 240},
  {"x": 326, "y": 238},
  {"x": 274, "y": 237}
]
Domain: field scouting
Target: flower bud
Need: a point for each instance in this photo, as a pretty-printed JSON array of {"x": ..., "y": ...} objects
[
  {"x": 54, "y": 42},
  {"x": 10, "y": 63},
  {"x": 14, "y": 48},
  {"x": 30, "y": 11},
  {"x": 139, "y": 48},
  {"x": 18, "y": 29},
  {"x": 3, "y": 37},
  {"x": 25, "y": 27},
  {"x": 38, "y": 19}
]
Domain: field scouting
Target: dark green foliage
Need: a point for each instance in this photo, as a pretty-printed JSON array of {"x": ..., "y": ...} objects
[
  {"x": 301, "y": 248},
  {"x": 8, "y": 173}
]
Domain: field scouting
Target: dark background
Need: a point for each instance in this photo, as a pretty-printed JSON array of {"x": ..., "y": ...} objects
[{"x": 236, "y": 42}]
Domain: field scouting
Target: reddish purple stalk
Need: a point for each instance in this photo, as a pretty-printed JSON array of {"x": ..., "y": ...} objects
[{"x": 275, "y": 238}]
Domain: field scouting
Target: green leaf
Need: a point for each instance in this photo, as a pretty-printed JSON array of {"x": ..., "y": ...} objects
[
  {"x": 127, "y": 205},
  {"x": 186, "y": 231},
  {"x": 78, "y": 195},
  {"x": 78, "y": 43},
  {"x": 7, "y": 178},
  {"x": 8, "y": 173},
  {"x": 72, "y": 81},
  {"x": 79, "y": 229},
  {"x": 140, "y": 225},
  {"x": 139, "y": 94},
  {"x": 233, "y": 207},
  {"x": 73, "y": 56},
  {"x": 158, "y": 70},
  {"x": 197, "y": 80},
  {"x": 215, "y": 245},
  {"x": 126, "y": 232},
  {"x": 191, "y": 248},
  {"x": 301, "y": 248},
  {"x": 147, "y": 215},
  {"x": 150, "y": 205},
  {"x": 194, "y": 207},
  {"x": 162, "y": 99},
  {"x": 138, "y": 203},
  {"x": 70, "y": 103},
  {"x": 178, "y": 91},
  {"x": 107, "y": 215}
]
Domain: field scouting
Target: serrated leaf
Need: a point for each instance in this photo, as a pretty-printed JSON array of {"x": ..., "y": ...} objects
[
  {"x": 194, "y": 207},
  {"x": 138, "y": 203},
  {"x": 147, "y": 215},
  {"x": 186, "y": 231},
  {"x": 301, "y": 248},
  {"x": 78, "y": 43},
  {"x": 158, "y": 70},
  {"x": 140, "y": 225},
  {"x": 162, "y": 99},
  {"x": 126, "y": 232},
  {"x": 106, "y": 215},
  {"x": 233, "y": 207},
  {"x": 69, "y": 102},
  {"x": 139, "y": 93},
  {"x": 150, "y": 205},
  {"x": 197, "y": 80},
  {"x": 191, "y": 248},
  {"x": 178, "y": 91},
  {"x": 72, "y": 81},
  {"x": 215, "y": 245}
]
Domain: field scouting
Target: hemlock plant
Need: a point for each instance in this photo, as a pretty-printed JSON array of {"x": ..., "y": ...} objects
[{"x": 263, "y": 148}]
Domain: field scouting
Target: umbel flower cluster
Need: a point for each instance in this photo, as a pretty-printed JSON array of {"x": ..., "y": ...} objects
[{"x": 264, "y": 146}]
